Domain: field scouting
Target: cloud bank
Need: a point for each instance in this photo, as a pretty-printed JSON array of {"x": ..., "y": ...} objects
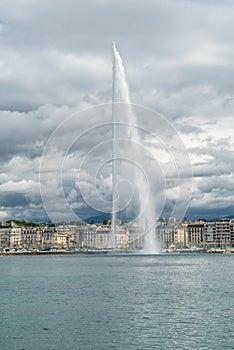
[{"x": 56, "y": 59}]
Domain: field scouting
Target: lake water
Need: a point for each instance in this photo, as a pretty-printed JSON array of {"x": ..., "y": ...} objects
[{"x": 117, "y": 302}]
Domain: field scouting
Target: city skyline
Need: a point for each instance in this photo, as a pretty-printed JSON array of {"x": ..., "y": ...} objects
[{"x": 179, "y": 62}]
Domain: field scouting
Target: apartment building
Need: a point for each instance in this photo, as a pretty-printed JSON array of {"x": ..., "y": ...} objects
[
  {"x": 195, "y": 233},
  {"x": 181, "y": 235},
  {"x": 209, "y": 237},
  {"x": 223, "y": 233},
  {"x": 165, "y": 235}
]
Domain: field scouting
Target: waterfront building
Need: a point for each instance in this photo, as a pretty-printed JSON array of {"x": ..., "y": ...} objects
[
  {"x": 165, "y": 234},
  {"x": 103, "y": 238},
  {"x": 100, "y": 237},
  {"x": 54, "y": 239},
  {"x": 87, "y": 236},
  {"x": 232, "y": 233},
  {"x": 215, "y": 234},
  {"x": 72, "y": 233},
  {"x": 4, "y": 235},
  {"x": 122, "y": 239},
  {"x": 223, "y": 235},
  {"x": 31, "y": 238},
  {"x": 181, "y": 235},
  {"x": 36, "y": 238},
  {"x": 15, "y": 237},
  {"x": 135, "y": 237},
  {"x": 196, "y": 233},
  {"x": 210, "y": 234}
]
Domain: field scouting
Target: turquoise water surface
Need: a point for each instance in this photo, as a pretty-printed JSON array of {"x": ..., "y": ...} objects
[{"x": 117, "y": 302}]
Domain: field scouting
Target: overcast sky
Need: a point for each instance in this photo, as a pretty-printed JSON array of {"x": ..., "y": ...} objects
[{"x": 56, "y": 59}]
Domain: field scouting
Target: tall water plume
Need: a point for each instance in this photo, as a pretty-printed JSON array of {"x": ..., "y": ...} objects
[{"x": 127, "y": 136}]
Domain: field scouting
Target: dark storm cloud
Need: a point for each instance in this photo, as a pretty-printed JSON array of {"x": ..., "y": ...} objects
[{"x": 14, "y": 199}]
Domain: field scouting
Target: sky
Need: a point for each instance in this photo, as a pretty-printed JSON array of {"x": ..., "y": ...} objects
[{"x": 56, "y": 61}]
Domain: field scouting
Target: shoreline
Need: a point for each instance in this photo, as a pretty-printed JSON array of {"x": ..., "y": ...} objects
[{"x": 110, "y": 252}]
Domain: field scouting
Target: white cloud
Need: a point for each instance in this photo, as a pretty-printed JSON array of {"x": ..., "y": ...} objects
[
  {"x": 3, "y": 215},
  {"x": 21, "y": 186}
]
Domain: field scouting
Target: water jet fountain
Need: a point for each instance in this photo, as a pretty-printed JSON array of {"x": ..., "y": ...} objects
[{"x": 126, "y": 132}]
